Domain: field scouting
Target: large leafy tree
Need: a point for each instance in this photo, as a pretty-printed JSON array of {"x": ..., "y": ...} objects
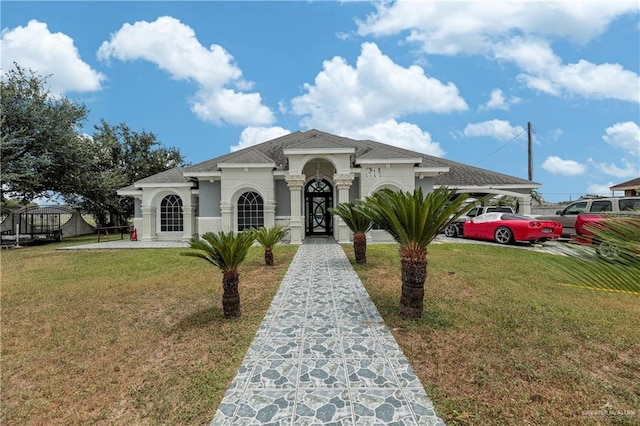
[
  {"x": 121, "y": 156},
  {"x": 414, "y": 220},
  {"x": 39, "y": 146},
  {"x": 226, "y": 251},
  {"x": 359, "y": 223},
  {"x": 44, "y": 152}
]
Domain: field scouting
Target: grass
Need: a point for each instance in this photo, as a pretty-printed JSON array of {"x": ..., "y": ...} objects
[
  {"x": 123, "y": 336},
  {"x": 501, "y": 342},
  {"x": 137, "y": 336}
]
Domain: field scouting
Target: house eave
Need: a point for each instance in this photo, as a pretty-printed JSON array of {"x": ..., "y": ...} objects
[
  {"x": 247, "y": 165},
  {"x": 308, "y": 151},
  {"x": 422, "y": 172},
  {"x": 389, "y": 161},
  {"x": 165, "y": 185}
]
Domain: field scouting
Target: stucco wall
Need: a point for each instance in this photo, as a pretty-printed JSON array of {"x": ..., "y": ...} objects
[
  {"x": 425, "y": 183},
  {"x": 209, "y": 199},
  {"x": 283, "y": 198},
  {"x": 376, "y": 176}
]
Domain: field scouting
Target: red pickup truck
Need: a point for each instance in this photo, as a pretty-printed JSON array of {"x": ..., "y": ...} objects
[{"x": 587, "y": 223}]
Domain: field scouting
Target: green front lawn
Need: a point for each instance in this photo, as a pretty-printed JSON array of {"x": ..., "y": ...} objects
[
  {"x": 123, "y": 336},
  {"x": 137, "y": 336},
  {"x": 502, "y": 342}
]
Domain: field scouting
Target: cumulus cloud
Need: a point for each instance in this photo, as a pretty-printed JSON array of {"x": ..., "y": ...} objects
[
  {"x": 629, "y": 169},
  {"x": 544, "y": 71},
  {"x": 500, "y": 130},
  {"x": 255, "y": 135},
  {"x": 558, "y": 166},
  {"x": 515, "y": 31},
  {"x": 403, "y": 135},
  {"x": 626, "y": 136},
  {"x": 35, "y": 47},
  {"x": 497, "y": 100},
  {"x": 174, "y": 48},
  {"x": 600, "y": 189},
  {"x": 375, "y": 90},
  {"x": 448, "y": 28}
]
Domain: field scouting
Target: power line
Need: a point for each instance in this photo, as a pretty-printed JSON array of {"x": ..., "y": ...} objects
[{"x": 513, "y": 139}]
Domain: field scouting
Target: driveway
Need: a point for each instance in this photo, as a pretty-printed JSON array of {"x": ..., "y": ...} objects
[{"x": 551, "y": 247}]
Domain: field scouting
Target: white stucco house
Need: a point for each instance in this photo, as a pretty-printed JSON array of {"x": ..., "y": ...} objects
[{"x": 291, "y": 181}]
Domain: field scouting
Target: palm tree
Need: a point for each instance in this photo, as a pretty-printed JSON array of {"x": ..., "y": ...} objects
[
  {"x": 268, "y": 238},
  {"x": 614, "y": 265},
  {"x": 414, "y": 221},
  {"x": 225, "y": 251},
  {"x": 355, "y": 219}
]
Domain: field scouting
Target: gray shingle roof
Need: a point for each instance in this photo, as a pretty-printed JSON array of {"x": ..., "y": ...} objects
[
  {"x": 273, "y": 150},
  {"x": 168, "y": 176}
]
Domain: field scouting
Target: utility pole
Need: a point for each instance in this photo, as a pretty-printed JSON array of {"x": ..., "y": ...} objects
[{"x": 530, "y": 150}]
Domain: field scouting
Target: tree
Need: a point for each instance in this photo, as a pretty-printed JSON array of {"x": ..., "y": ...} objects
[
  {"x": 359, "y": 223},
  {"x": 268, "y": 238},
  {"x": 225, "y": 251},
  {"x": 39, "y": 137},
  {"x": 121, "y": 157},
  {"x": 414, "y": 221}
]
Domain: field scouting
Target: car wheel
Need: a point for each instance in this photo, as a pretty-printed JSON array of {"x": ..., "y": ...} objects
[
  {"x": 608, "y": 250},
  {"x": 451, "y": 231},
  {"x": 503, "y": 235}
]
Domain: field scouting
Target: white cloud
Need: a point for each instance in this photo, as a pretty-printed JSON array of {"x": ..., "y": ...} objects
[
  {"x": 626, "y": 136},
  {"x": 472, "y": 27},
  {"x": 49, "y": 54},
  {"x": 516, "y": 31},
  {"x": 558, "y": 166},
  {"x": 174, "y": 48},
  {"x": 600, "y": 189},
  {"x": 629, "y": 169},
  {"x": 255, "y": 135},
  {"x": 497, "y": 100},
  {"x": 498, "y": 129},
  {"x": 544, "y": 71},
  {"x": 403, "y": 135},
  {"x": 375, "y": 90}
]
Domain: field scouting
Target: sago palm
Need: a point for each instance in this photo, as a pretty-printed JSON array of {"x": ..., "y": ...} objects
[
  {"x": 359, "y": 223},
  {"x": 614, "y": 265},
  {"x": 268, "y": 238},
  {"x": 225, "y": 251},
  {"x": 414, "y": 220}
]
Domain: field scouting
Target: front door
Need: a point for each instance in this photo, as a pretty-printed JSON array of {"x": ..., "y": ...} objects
[{"x": 318, "y": 196}]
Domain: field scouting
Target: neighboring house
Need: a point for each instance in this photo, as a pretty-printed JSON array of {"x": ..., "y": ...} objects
[
  {"x": 292, "y": 181},
  {"x": 631, "y": 188}
]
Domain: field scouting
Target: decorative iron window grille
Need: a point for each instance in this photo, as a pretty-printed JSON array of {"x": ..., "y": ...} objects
[
  {"x": 171, "y": 214},
  {"x": 250, "y": 211}
]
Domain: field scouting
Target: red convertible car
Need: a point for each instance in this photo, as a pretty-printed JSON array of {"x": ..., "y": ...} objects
[{"x": 505, "y": 228}]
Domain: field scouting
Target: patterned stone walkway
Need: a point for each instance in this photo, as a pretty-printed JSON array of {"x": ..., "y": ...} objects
[{"x": 322, "y": 356}]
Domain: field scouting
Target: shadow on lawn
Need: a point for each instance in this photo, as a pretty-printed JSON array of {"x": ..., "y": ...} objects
[{"x": 200, "y": 319}]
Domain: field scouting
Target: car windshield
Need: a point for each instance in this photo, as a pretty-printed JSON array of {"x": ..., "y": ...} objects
[{"x": 493, "y": 217}]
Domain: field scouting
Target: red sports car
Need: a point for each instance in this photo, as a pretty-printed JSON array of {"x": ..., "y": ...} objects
[{"x": 505, "y": 228}]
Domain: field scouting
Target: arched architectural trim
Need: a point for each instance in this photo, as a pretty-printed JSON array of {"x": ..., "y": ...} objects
[
  {"x": 331, "y": 158},
  {"x": 393, "y": 185}
]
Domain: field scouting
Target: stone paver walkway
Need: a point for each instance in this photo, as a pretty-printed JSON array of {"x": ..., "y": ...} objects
[{"x": 322, "y": 356}]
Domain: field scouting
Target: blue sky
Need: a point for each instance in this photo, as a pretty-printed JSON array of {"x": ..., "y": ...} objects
[{"x": 458, "y": 80}]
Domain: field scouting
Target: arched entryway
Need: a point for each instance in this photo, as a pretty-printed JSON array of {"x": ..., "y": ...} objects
[{"x": 318, "y": 198}]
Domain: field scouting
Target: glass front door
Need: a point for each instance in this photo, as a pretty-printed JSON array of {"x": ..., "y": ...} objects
[{"x": 318, "y": 199}]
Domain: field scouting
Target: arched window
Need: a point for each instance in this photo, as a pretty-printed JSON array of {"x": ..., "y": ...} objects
[
  {"x": 171, "y": 214},
  {"x": 250, "y": 211}
]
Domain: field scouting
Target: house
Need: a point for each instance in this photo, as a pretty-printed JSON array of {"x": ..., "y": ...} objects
[
  {"x": 631, "y": 188},
  {"x": 292, "y": 181}
]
